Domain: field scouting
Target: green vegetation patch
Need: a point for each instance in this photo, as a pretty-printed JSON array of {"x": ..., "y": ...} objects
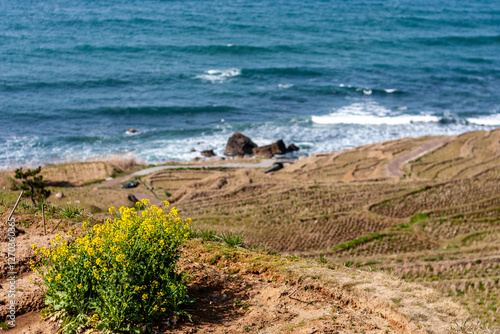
[
  {"x": 356, "y": 242},
  {"x": 117, "y": 276}
]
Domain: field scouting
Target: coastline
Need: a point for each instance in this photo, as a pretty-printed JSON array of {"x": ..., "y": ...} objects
[{"x": 96, "y": 170}]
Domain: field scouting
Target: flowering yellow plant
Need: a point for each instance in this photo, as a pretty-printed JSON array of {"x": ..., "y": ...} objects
[{"x": 119, "y": 275}]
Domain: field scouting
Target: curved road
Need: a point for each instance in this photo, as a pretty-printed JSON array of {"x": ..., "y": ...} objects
[
  {"x": 395, "y": 167},
  {"x": 264, "y": 163}
]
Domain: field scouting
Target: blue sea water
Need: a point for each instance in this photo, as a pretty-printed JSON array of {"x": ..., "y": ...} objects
[{"x": 327, "y": 75}]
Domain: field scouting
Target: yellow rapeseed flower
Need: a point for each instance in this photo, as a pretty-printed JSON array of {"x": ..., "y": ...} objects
[{"x": 144, "y": 296}]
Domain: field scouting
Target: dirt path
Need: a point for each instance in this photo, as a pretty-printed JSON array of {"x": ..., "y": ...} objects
[
  {"x": 265, "y": 163},
  {"x": 395, "y": 167}
]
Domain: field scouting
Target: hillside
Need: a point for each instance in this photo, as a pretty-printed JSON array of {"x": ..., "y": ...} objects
[
  {"x": 438, "y": 224},
  {"x": 240, "y": 290},
  {"x": 401, "y": 235}
]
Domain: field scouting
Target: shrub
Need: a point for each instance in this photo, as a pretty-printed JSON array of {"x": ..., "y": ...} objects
[
  {"x": 208, "y": 235},
  {"x": 32, "y": 184},
  {"x": 230, "y": 239},
  {"x": 120, "y": 275},
  {"x": 70, "y": 212}
]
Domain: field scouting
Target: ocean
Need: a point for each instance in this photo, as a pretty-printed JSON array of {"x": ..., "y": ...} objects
[{"x": 325, "y": 75}]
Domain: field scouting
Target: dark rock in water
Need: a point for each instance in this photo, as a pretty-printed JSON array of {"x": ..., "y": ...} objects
[
  {"x": 239, "y": 144},
  {"x": 193, "y": 150},
  {"x": 131, "y": 184},
  {"x": 132, "y": 130},
  {"x": 197, "y": 159},
  {"x": 270, "y": 150},
  {"x": 276, "y": 167},
  {"x": 208, "y": 153},
  {"x": 292, "y": 148}
]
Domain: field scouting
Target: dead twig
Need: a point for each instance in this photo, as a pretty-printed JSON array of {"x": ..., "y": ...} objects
[
  {"x": 15, "y": 206},
  {"x": 43, "y": 219},
  {"x": 56, "y": 226}
]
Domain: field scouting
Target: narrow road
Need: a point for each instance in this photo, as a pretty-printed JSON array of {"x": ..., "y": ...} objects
[
  {"x": 395, "y": 167},
  {"x": 264, "y": 163}
]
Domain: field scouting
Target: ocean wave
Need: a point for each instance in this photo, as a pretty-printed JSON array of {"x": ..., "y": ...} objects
[
  {"x": 282, "y": 71},
  {"x": 370, "y": 114},
  {"x": 219, "y": 76},
  {"x": 154, "y": 146},
  {"x": 224, "y": 49},
  {"x": 92, "y": 83},
  {"x": 152, "y": 111},
  {"x": 211, "y": 49},
  {"x": 111, "y": 48},
  {"x": 460, "y": 40},
  {"x": 344, "y": 89},
  {"x": 235, "y": 49},
  {"x": 491, "y": 120}
]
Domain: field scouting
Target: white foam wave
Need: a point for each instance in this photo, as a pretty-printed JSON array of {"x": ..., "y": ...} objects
[
  {"x": 219, "y": 76},
  {"x": 390, "y": 91},
  {"x": 490, "y": 120},
  {"x": 285, "y": 86},
  {"x": 367, "y": 91},
  {"x": 370, "y": 114},
  {"x": 18, "y": 151}
]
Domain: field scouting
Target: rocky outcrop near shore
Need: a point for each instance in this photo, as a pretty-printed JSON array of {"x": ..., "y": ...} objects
[
  {"x": 239, "y": 144},
  {"x": 208, "y": 153},
  {"x": 269, "y": 151}
]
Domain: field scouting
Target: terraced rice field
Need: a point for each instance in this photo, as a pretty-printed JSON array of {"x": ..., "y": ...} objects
[{"x": 439, "y": 225}]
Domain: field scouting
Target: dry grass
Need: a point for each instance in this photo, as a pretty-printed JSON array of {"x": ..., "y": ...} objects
[
  {"x": 469, "y": 155},
  {"x": 69, "y": 175},
  {"x": 124, "y": 163},
  {"x": 452, "y": 244}
]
